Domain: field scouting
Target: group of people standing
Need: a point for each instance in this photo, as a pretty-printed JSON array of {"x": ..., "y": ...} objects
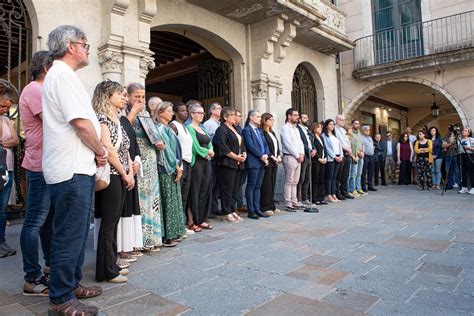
[{"x": 170, "y": 170}]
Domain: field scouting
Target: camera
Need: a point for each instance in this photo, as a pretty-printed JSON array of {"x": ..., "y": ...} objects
[{"x": 455, "y": 129}]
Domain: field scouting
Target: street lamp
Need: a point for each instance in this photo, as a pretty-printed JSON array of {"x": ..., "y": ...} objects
[{"x": 434, "y": 107}]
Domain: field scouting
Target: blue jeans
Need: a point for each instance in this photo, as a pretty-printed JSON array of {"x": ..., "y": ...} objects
[
  {"x": 4, "y": 197},
  {"x": 72, "y": 203},
  {"x": 38, "y": 225},
  {"x": 252, "y": 191},
  {"x": 351, "y": 182},
  {"x": 436, "y": 171},
  {"x": 452, "y": 170}
]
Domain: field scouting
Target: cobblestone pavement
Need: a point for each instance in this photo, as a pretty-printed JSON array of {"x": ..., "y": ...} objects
[{"x": 394, "y": 252}]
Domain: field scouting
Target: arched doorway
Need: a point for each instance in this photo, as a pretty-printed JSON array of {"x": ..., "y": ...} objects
[
  {"x": 303, "y": 93},
  {"x": 186, "y": 70},
  {"x": 395, "y": 104},
  {"x": 15, "y": 54}
]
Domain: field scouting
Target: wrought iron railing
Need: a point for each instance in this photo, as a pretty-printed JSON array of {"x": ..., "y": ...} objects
[{"x": 418, "y": 39}]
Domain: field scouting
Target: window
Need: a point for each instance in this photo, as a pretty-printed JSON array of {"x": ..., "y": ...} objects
[{"x": 398, "y": 32}]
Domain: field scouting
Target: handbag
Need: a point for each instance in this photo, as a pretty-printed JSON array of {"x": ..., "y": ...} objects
[{"x": 102, "y": 174}]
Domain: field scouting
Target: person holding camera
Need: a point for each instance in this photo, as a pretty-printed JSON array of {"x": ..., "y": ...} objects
[
  {"x": 467, "y": 160},
  {"x": 451, "y": 160}
]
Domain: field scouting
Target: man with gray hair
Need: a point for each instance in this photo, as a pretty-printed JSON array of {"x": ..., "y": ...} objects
[
  {"x": 71, "y": 152},
  {"x": 368, "y": 168}
]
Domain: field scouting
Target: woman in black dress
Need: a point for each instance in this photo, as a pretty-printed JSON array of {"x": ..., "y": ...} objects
[
  {"x": 267, "y": 193},
  {"x": 230, "y": 157},
  {"x": 319, "y": 163}
]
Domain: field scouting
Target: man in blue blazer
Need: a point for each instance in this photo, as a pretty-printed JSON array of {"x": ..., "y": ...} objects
[{"x": 257, "y": 159}]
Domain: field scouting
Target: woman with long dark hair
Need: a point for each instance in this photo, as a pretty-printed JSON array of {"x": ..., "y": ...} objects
[
  {"x": 467, "y": 160},
  {"x": 267, "y": 191},
  {"x": 424, "y": 160},
  {"x": 319, "y": 164},
  {"x": 437, "y": 141},
  {"x": 405, "y": 158},
  {"x": 230, "y": 157},
  {"x": 334, "y": 158}
]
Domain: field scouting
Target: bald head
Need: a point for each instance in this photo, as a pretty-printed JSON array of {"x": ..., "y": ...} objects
[{"x": 340, "y": 120}]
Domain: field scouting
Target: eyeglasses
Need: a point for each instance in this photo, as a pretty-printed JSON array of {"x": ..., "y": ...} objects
[
  {"x": 201, "y": 113},
  {"x": 86, "y": 46}
]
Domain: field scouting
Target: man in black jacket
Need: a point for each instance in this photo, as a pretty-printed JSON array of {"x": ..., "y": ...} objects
[
  {"x": 379, "y": 160},
  {"x": 309, "y": 152},
  {"x": 390, "y": 150}
]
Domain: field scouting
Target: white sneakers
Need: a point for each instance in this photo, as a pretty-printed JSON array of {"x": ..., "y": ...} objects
[
  {"x": 464, "y": 190},
  {"x": 455, "y": 185}
]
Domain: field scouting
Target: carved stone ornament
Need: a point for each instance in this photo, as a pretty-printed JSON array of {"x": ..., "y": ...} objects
[
  {"x": 260, "y": 91},
  {"x": 146, "y": 63},
  {"x": 111, "y": 61},
  {"x": 241, "y": 12}
]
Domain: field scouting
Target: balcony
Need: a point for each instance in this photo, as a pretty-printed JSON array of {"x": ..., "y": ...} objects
[{"x": 447, "y": 41}]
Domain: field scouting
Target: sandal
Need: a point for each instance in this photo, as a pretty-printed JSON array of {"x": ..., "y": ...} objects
[
  {"x": 206, "y": 226},
  {"x": 82, "y": 292},
  {"x": 135, "y": 253},
  {"x": 169, "y": 243},
  {"x": 195, "y": 228},
  {"x": 72, "y": 307},
  {"x": 237, "y": 217},
  {"x": 122, "y": 264},
  {"x": 230, "y": 218}
]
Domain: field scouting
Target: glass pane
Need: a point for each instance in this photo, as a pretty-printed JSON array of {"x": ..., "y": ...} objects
[
  {"x": 383, "y": 20},
  {"x": 382, "y": 4}
]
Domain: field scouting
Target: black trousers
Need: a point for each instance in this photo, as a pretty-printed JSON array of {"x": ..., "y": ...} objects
[
  {"x": 343, "y": 175},
  {"x": 332, "y": 168},
  {"x": 317, "y": 171},
  {"x": 215, "y": 189},
  {"x": 303, "y": 183},
  {"x": 367, "y": 173},
  {"x": 199, "y": 198},
  {"x": 238, "y": 197},
  {"x": 267, "y": 191},
  {"x": 467, "y": 166},
  {"x": 185, "y": 186},
  {"x": 228, "y": 180},
  {"x": 379, "y": 170},
  {"x": 108, "y": 207},
  {"x": 405, "y": 173}
]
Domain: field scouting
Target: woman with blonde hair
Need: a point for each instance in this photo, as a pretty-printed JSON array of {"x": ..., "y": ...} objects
[
  {"x": 170, "y": 171},
  {"x": 107, "y": 101}
]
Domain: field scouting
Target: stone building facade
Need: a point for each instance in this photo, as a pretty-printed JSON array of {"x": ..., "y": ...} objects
[
  {"x": 262, "y": 43},
  {"x": 405, "y": 52}
]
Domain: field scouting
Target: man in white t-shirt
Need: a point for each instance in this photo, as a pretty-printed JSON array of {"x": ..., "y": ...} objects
[{"x": 71, "y": 152}]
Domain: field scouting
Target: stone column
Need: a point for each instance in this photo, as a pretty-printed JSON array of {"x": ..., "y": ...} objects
[{"x": 111, "y": 61}]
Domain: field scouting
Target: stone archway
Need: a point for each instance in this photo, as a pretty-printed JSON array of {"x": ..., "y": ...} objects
[
  {"x": 220, "y": 48},
  {"x": 364, "y": 94}
]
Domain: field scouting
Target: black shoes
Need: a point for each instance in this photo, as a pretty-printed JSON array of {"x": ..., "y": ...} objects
[
  {"x": 290, "y": 209},
  {"x": 260, "y": 214},
  {"x": 340, "y": 197},
  {"x": 372, "y": 189},
  {"x": 348, "y": 197},
  {"x": 311, "y": 210},
  {"x": 253, "y": 215}
]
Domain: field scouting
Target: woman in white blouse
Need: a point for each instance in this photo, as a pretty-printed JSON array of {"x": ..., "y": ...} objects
[{"x": 334, "y": 158}]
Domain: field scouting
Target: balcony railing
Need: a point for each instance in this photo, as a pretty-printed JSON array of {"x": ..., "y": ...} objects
[{"x": 415, "y": 40}]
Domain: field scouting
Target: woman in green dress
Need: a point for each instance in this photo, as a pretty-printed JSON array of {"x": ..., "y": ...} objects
[
  {"x": 170, "y": 172},
  {"x": 148, "y": 183}
]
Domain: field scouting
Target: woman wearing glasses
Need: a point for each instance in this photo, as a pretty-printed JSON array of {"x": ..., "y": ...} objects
[{"x": 200, "y": 193}]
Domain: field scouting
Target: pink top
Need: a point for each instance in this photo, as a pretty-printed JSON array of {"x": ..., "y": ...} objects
[
  {"x": 7, "y": 134},
  {"x": 30, "y": 108}
]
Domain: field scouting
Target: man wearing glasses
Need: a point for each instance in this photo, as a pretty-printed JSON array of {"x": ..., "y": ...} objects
[{"x": 71, "y": 153}]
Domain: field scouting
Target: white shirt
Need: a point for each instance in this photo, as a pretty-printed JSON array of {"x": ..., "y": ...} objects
[
  {"x": 335, "y": 145},
  {"x": 211, "y": 126},
  {"x": 306, "y": 134},
  {"x": 291, "y": 142},
  {"x": 341, "y": 134},
  {"x": 185, "y": 141},
  {"x": 275, "y": 144},
  {"x": 65, "y": 99},
  {"x": 412, "y": 139},
  {"x": 389, "y": 147}
]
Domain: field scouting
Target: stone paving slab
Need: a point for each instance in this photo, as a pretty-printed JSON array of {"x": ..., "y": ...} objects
[
  {"x": 289, "y": 304},
  {"x": 393, "y": 252}
]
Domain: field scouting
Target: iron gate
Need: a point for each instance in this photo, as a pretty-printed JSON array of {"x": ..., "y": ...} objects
[{"x": 303, "y": 95}]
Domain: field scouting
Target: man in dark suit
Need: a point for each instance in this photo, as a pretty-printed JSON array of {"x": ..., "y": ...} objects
[
  {"x": 257, "y": 159},
  {"x": 379, "y": 160},
  {"x": 309, "y": 152},
  {"x": 390, "y": 150}
]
